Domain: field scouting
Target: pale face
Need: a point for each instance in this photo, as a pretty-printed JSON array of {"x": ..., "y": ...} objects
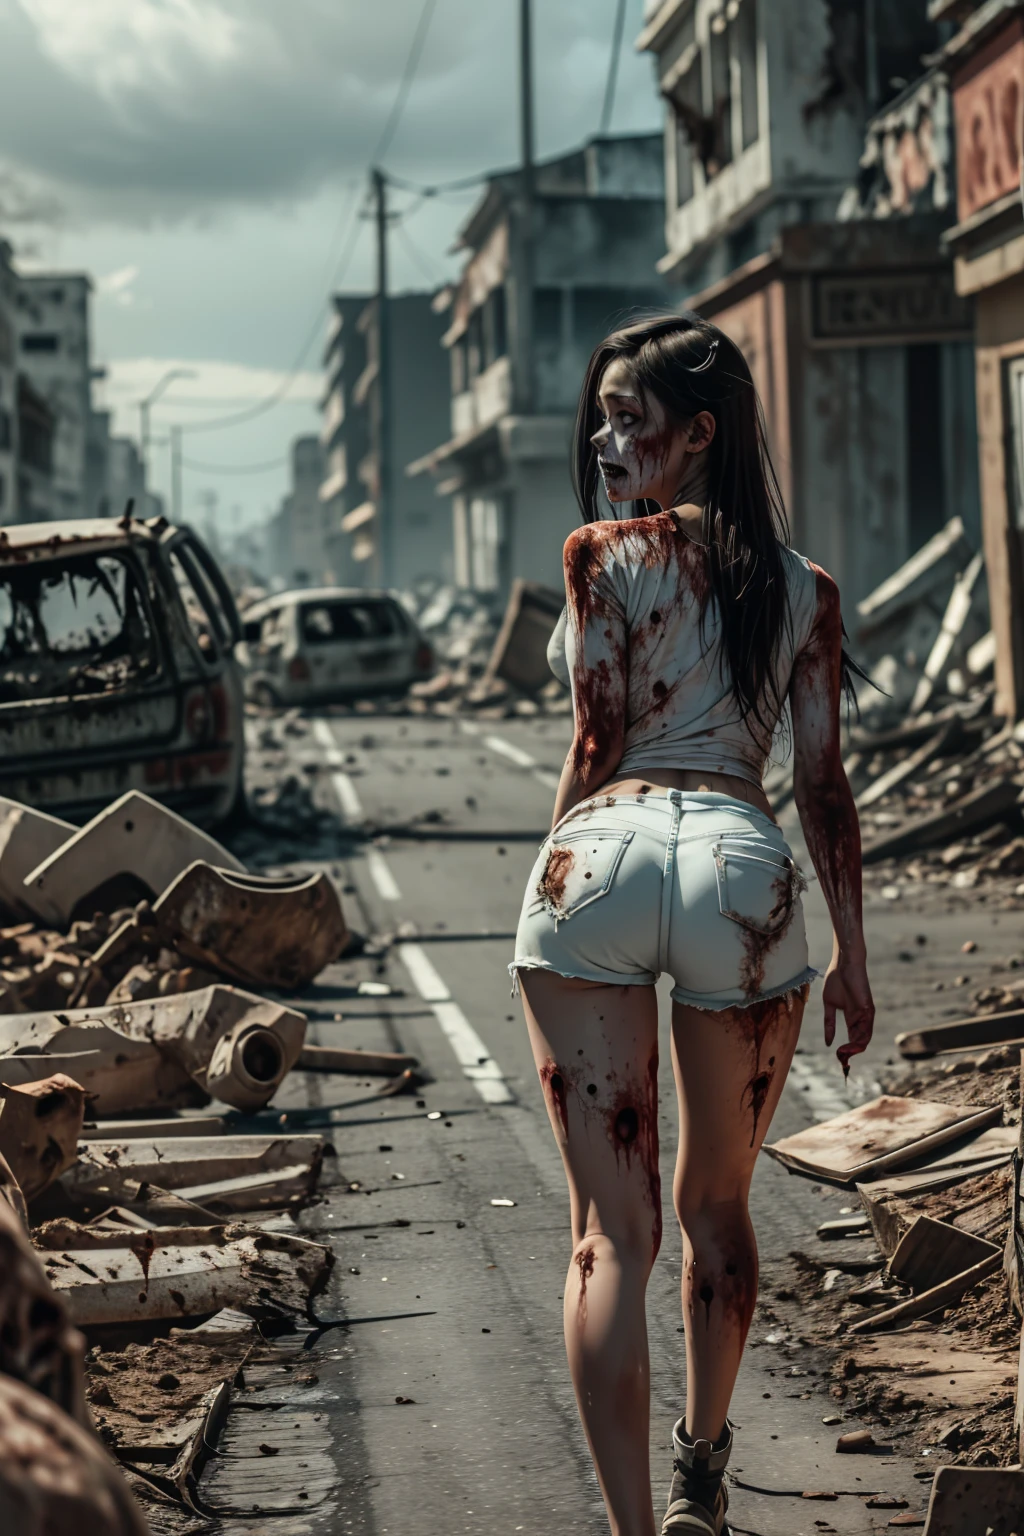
[{"x": 640, "y": 455}]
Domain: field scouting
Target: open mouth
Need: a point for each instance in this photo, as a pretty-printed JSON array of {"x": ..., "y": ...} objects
[{"x": 612, "y": 471}]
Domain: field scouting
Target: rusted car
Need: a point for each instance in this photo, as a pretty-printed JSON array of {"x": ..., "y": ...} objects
[
  {"x": 117, "y": 669},
  {"x": 327, "y": 644}
]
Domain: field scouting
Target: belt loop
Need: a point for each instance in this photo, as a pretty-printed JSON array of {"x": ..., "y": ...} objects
[{"x": 668, "y": 878}]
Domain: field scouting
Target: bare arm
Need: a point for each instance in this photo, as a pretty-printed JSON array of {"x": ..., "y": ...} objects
[
  {"x": 829, "y": 819},
  {"x": 597, "y": 655}
]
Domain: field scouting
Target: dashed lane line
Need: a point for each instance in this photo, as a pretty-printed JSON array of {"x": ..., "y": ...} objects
[
  {"x": 348, "y": 799},
  {"x": 470, "y": 1051},
  {"x": 514, "y": 754},
  {"x": 380, "y": 874}
]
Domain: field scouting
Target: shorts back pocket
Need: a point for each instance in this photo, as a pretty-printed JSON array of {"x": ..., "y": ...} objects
[
  {"x": 579, "y": 868},
  {"x": 757, "y": 885}
]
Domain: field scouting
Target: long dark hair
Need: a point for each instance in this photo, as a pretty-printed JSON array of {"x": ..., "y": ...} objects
[{"x": 689, "y": 365}]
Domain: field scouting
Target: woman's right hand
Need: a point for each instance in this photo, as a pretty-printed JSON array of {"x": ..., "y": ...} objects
[{"x": 848, "y": 990}]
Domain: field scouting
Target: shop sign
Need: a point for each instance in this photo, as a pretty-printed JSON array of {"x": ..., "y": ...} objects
[
  {"x": 987, "y": 108},
  {"x": 869, "y": 308}
]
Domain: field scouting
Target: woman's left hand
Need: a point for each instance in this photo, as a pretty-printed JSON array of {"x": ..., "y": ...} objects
[{"x": 848, "y": 990}]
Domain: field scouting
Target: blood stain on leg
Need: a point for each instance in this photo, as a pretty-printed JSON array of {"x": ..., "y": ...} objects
[
  {"x": 707, "y": 1296},
  {"x": 632, "y": 1122},
  {"x": 585, "y": 1265},
  {"x": 553, "y": 1081}
]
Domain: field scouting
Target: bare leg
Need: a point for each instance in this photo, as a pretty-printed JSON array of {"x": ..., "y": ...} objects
[
  {"x": 596, "y": 1049},
  {"x": 730, "y": 1068}
]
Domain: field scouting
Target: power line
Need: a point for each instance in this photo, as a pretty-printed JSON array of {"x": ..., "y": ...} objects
[
  {"x": 417, "y": 256},
  {"x": 613, "y": 66},
  {"x": 236, "y": 469},
  {"x": 279, "y": 392},
  {"x": 351, "y": 234},
  {"x": 437, "y": 189},
  {"x": 412, "y": 64}
]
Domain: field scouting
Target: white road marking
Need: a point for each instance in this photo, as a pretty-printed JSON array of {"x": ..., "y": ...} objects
[
  {"x": 380, "y": 874},
  {"x": 348, "y": 799},
  {"x": 470, "y": 1051},
  {"x": 513, "y": 753}
]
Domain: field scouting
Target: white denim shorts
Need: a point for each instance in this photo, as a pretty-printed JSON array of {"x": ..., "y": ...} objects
[{"x": 700, "y": 885}]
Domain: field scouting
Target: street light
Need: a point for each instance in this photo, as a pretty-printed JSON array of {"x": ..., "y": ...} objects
[{"x": 144, "y": 405}]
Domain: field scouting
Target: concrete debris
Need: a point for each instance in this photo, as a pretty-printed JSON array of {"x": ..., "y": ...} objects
[
  {"x": 938, "y": 778},
  {"x": 263, "y": 1270},
  {"x": 27, "y": 838},
  {"x": 263, "y": 931},
  {"x": 169, "y": 1052},
  {"x": 55, "y": 1475},
  {"x": 129, "y": 852},
  {"x": 324, "y": 1058},
  {"x": 40, "y": 1124},
  {"x": 520, "y": 654},
  {"x": 965, "y": 1499},
  {"x": 38, "y": 1345},
  {"x": 490, "y": 666},
  {"x": 191, "y": 1164}
]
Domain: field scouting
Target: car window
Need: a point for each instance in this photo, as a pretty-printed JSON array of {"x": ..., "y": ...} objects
[
  {"x": 72, "y": 627},
  {"x": 348, "y": 620},
  {"x": 202, "y": 621}
]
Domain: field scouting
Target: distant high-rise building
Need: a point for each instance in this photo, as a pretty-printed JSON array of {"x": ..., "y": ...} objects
[
  {"x": 503, "y": 457},
  {"x": 54, "y": 355}
]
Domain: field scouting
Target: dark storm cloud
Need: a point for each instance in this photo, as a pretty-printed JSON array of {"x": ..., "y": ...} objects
[{"x": 149, "y": 108}]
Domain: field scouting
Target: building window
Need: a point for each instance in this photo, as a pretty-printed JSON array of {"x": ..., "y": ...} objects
[
  {"x": 460, "y": 370},
  {"x": 41, "y": 341},
  {"x": 547, "y": 314},
  {"x": 485, "y": 543},
  {"x": 719, "y": 98},
  {"x": 744, "y": 53},
  {"x": 495, "y": 327}
]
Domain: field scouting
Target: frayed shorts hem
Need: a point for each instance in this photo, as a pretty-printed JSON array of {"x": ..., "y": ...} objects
[
  {"x": 706, "y": 1003},
  {"x": 602, "y": 978},
  {"x": 719, "y": 1004}
]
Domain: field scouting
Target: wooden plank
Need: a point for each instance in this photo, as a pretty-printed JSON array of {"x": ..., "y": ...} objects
[
  {"x": 972, "y": 813},
  {"x": 325, "y": 1058},
  {"x": 166, "y": 1125},
  {"x": 984, "y": 1029},
  {"x": 877, "y": 1137},
  {"x": 935, "y": 746},
  {"x": 931, "y": 1252},
  {"x": 937, "y": 1296}
]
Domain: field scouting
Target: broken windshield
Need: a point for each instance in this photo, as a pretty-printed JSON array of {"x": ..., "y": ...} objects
[{"x": 74, "y": 627}]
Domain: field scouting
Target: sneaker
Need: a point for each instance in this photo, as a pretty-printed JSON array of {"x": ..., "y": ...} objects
[{"x": 698, "y": 1498}]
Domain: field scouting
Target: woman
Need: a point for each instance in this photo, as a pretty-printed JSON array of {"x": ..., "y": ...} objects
[{"x": 688, "y": 631}]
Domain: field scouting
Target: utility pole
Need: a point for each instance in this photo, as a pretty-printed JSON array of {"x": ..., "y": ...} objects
[
  {"x": 527, "y": 212},
  {"x": 175, "y": 475},
  {"x": 384, "y": 557}
]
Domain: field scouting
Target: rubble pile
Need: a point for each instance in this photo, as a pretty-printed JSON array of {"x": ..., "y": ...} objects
[
  {"x": 916, "y": 1298},
  {"x": 937, "y": 777},
  {"x": 134, "y": 956},
  {"x": 495, "y": 666}
]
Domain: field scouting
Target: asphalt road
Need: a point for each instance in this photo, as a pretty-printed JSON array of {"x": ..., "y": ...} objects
[{"x": 444, "y": 1402}]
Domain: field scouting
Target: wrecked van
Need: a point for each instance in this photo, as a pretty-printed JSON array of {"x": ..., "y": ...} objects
[
  {"x": 325, "y": 644},
  {"x": 117, "y": 669}
]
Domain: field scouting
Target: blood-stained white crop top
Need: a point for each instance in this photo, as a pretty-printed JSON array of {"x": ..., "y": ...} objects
[{"x": 636, "y": 649}]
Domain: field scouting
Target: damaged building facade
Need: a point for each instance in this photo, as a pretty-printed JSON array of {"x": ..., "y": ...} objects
[
  {"x": 817, "y": 249},
  {"x": 984, "y": 62},
  {"x": 596, "y": 237},
  {"x": 384, "y": 529}
]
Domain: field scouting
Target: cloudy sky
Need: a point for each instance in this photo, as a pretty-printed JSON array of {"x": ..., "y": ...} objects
[{"x": 205, "y": 161}]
